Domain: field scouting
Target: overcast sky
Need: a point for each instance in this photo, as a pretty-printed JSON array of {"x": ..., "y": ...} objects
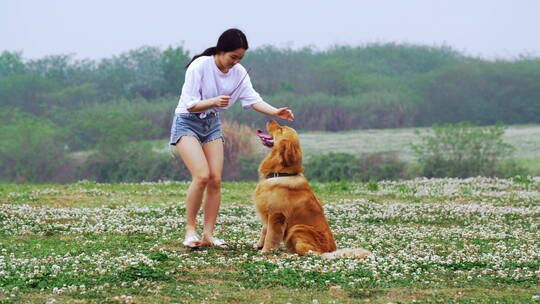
[{"x": 102, "y": 28}]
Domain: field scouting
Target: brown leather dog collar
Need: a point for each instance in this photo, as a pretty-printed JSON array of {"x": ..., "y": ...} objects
[{"x": 279, "y": 174}]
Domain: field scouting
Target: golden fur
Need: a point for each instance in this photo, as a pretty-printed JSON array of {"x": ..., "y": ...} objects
[{"x": 288, "y": 208}]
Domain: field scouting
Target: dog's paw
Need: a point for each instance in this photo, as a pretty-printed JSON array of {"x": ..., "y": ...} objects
[{"x": 266, "y": 250}]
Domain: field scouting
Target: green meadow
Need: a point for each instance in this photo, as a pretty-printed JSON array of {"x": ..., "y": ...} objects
[
  {"x": 433, "y": 241},
  {"x": 525, "y": 138}
]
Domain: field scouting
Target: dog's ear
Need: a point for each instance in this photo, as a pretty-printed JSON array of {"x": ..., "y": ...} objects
[{"x": 289, "y": 152}]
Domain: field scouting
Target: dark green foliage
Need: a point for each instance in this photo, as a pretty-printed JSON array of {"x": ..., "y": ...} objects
[
  {"x": 108, "y": 128},
  {"x": 462, "y": 150},
  {"x": 522, "y": 180},
  {"x": 117, "y": 159},
  {"x": 333, "y": 113},
  {"x": 173, "y": 61},
  {"x": 249, "y": 166},
  {"x": 381, "y": 166},
  {"x": 26, "y": 92},
  {"x": 136, "y": 119},
  {"x": 371, "y": 86},
  {"x": 332, "y": 167},
  {"x": 372, "y": 185},
  {"x": 482, "y": 93},
  {"x": 511, "y": 168},
  {"x": 347, "y": 167},
  {"x": 31, "y": 149},
  {"x": 11, "y": 64},
  {"x": 343, "y": 70},
  {"x": 135, "y": 73},
  {"x": 158, "y": 256},
  {"x": 134, "y": 163},
  {"x": 143, "y": 271}
]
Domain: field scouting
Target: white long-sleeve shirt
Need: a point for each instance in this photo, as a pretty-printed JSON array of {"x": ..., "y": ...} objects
[{"x": 204, "y": 80}]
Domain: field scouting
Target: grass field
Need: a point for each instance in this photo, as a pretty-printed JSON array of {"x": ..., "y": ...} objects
[
  {"x": 434, "y": 241},
  {"x": 525, "y": 138}
]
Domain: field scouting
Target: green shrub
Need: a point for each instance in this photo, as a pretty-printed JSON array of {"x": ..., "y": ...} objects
[
  {"x": 136, "y": 163},
  {"x": 332, "y": 167},
  {"x": 109, "y": 130},
  {"x": 347, "y": 167},
  {"x": 511, "y": 168},
  {"x": 249, "y": 167},
  {"x": 463, "y": 150},
  {"x": 32, "y": 149},
  {"x": 381, "y": 166}
]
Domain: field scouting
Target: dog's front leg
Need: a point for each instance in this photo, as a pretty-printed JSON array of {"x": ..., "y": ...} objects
[
  {"x": 274, "y": 233},
  {"x": 260, "y": 244}
]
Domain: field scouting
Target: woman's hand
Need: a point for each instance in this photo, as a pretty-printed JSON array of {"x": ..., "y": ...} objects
[
  {"x": 285, "y": 113},
  {"x": 221, "y": 101},
  {"x": 265, "y": 108}
]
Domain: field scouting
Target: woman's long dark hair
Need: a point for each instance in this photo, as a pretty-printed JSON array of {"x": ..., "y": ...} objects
[{"x": 230, "y": 40}]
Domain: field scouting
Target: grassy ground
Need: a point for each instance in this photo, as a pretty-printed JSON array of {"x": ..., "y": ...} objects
[{"x": 434, "y": 241}]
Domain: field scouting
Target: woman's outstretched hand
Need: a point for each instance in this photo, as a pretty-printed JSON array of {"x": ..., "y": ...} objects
[{"x": 285, "y": 113}]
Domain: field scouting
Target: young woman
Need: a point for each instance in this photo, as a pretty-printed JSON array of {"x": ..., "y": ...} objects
[{"x": 214, "y": 81}]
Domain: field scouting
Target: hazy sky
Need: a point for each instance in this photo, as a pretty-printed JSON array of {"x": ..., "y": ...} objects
[{"x": 102, "y": 28}]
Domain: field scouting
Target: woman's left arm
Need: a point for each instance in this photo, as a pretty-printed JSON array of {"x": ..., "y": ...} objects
[{"x": 266, "y": 108}]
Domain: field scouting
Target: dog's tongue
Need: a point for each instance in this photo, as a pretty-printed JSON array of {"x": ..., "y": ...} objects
[{"x": 267, "y": 140}]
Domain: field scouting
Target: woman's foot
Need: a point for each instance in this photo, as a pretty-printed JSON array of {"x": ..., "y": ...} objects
[
  {"x": 211, "y": 241},
  {"x": 192, "y": 240}
]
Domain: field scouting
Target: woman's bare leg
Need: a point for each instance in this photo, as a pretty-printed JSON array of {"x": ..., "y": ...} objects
[
  {"x": 213, "y": 151},
  {"x": 194, "y": 158}
]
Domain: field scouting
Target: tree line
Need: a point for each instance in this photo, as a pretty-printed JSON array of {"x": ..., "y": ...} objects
[
  {"x": 371, "y": 86},
  {"x": 57, "y": 105}
]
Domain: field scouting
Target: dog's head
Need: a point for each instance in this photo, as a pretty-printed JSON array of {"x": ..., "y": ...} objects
[{"x": 285, "y": 154}]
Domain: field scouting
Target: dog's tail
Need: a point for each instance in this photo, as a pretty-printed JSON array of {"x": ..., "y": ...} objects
[{"x": 359, "y": 253}]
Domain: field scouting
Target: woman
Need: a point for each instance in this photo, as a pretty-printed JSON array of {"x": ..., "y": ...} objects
[{"x": 214, "y": 81}]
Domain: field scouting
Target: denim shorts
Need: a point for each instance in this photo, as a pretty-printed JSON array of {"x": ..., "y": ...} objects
[{"x": 190, "y": 124}]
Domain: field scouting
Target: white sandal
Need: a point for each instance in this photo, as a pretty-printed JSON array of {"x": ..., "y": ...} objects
[
  {"x": 192, "y": 242},
  {"x": 220, "y": 243}
]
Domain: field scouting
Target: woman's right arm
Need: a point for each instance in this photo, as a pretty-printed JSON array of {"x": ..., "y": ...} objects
[{"x": 201, "y": 105}]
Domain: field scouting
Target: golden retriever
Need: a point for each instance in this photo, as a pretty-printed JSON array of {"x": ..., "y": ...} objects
[{"x": 288, "y": 208}]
